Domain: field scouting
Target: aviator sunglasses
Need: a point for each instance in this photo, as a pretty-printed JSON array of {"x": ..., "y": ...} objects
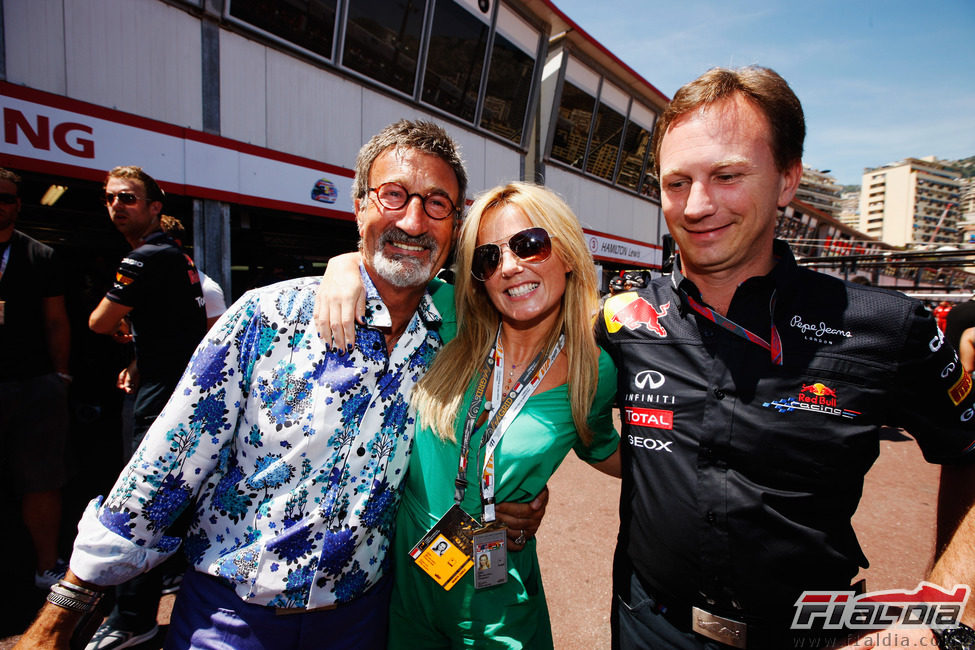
[
  {"x": 125, "y": 198},
  {"x": 530, "y": 245}
]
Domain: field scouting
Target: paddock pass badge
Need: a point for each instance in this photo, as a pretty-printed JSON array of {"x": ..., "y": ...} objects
[
  {"x": 490, "y": 557},
  {"x": 445, "y": 552}
]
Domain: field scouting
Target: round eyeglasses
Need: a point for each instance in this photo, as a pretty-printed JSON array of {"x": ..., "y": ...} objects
[
  {"x": 394, "y": 196},
  {"x": 530, "y": 245}
]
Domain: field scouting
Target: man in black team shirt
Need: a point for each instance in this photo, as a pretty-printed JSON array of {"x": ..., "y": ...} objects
[
  {"x": 752, "y": 393},
  {"x": 156, "y": 292}
]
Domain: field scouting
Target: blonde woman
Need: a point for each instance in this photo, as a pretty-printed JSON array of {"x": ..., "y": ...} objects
[{"x": 522, "y": 383}]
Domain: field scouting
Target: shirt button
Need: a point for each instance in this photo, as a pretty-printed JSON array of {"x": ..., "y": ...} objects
[
  {"x": 707, "y": 452},
  {"x": 711, "y": 517},
  {"x": 718, "y": 393}
]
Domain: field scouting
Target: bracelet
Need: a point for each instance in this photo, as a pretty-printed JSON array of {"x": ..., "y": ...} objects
[
  {"x": 79, "y": 589},
  {"x": 65, "y": 377},
  {"x": 80, "y": 597},
  {"x": 69, "y": 603}
]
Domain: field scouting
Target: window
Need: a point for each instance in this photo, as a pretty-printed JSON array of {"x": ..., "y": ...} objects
[
  {"x": 385, "y": 41},
  {"x": 455, "y": 59},
  {"x": 607, "y": 132},
  {"x": 382, "y": 41},
  {"x": 608, "y": 137},
  {"x": 636, "y": 143},
  {"x": 310, "y": 24},
  {"x": 576, "y": 107},
  {"x": 510, "y": 76}
]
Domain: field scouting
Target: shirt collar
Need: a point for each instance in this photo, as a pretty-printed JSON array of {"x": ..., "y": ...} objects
[
  {"x": 377, "y": 314},
  {"x": 780, "y": 277},
  {"x": 155, "y": 236}
]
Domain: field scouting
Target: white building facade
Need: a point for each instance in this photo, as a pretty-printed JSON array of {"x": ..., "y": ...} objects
[
  {"x": 911, "y": 202},
  {"x": 250, "y": 114}
]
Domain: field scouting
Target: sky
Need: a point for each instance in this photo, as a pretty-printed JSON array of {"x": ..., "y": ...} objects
[{"x": 879, "y": 81}]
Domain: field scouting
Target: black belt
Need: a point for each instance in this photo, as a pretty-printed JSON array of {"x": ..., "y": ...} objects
[{"x": 758, "y": 632}]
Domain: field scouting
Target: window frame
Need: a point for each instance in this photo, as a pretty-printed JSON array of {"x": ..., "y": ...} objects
[
  {"x": 290, "y": 45},
  {"x": 415, "y": 97},
  {"x": 604, "y": 79}
]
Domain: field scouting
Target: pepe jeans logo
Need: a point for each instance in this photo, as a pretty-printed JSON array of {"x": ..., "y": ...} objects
[{"x": 819, "y": 332}]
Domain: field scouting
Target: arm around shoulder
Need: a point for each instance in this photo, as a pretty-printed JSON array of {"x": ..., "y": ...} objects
[{"x": 341, "y": 301}]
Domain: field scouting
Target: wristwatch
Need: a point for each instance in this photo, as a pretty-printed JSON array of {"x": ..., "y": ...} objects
[{"x": 960, "y": 637}]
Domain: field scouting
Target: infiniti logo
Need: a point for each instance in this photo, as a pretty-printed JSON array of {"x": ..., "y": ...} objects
[{"x": 648, "y": 379}]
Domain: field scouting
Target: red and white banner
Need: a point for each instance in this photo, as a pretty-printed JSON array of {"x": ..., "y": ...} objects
[
  {"x": 628, "y": 252},
  {"x": 52, "y": 134}
]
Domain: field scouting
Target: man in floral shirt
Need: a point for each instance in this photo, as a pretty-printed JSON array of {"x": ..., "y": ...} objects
[{"x": 289, "y": 452}]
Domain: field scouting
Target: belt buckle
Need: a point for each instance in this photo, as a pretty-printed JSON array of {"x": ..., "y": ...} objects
[{"x": 718, "y": 628}]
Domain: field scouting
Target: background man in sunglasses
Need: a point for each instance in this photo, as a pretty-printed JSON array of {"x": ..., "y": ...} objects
[
  {"x": 290, "y": 451},
  {"x": 157, "y": 292},
  {"x": 34, "y": 354},
  {"x": 753, "y": 392}
]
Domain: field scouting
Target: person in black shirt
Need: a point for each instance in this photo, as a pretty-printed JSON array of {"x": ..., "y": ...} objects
[
  {"x": 157, "y": 293},
  {"x": 34, "y": 379},
  {"x": 752, "y": 391}
]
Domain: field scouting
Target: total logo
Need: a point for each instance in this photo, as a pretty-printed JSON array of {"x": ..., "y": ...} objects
[
  {"x": 816, "y": 397},
  {"x": 653, "y": 418}
]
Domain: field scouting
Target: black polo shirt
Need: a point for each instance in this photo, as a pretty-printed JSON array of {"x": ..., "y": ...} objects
[
  {"x": 740, "y": 476},
  {"x": 160, "y": 283}
]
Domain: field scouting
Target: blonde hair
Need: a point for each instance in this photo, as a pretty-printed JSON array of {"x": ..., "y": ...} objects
[{"x": 439, "y": 394}]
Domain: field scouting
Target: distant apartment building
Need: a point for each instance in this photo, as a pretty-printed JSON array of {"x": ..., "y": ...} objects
[
  {"x": 850, "y": 208},
  {"x": 820, "y": 190},
  {"x": 967, "y": 203},
  {"x": 912, "y": 202}
]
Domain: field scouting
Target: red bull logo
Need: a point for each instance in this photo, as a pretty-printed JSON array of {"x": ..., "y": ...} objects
[
  {"x": 817, "y": 394},
  {"x": 818, "y": 389},
  {"x": 628, "y": 310}
]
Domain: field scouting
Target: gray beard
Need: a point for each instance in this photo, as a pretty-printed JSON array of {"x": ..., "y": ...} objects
[{"x": 402, "y": 272}]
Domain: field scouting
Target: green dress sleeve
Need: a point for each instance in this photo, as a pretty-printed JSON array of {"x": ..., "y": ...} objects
[
  {"x": 605, "y": 438},
  {"x": 443, "y": 299}
]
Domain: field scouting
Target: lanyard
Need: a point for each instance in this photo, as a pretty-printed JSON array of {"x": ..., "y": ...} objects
[
  {"x": 775, "y": 347},
  {"x": 6, "y": 258},
  {"x": 503, "y": 411}
]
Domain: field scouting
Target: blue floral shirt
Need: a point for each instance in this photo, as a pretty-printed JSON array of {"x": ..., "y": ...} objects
[{"x": 291, "y": 457}]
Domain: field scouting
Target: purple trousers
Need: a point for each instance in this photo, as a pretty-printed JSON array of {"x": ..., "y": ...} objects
[{"x": 209, "y": 614}]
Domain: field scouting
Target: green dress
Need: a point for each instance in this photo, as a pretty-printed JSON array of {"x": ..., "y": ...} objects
[{"x": 514, "y": 614}]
